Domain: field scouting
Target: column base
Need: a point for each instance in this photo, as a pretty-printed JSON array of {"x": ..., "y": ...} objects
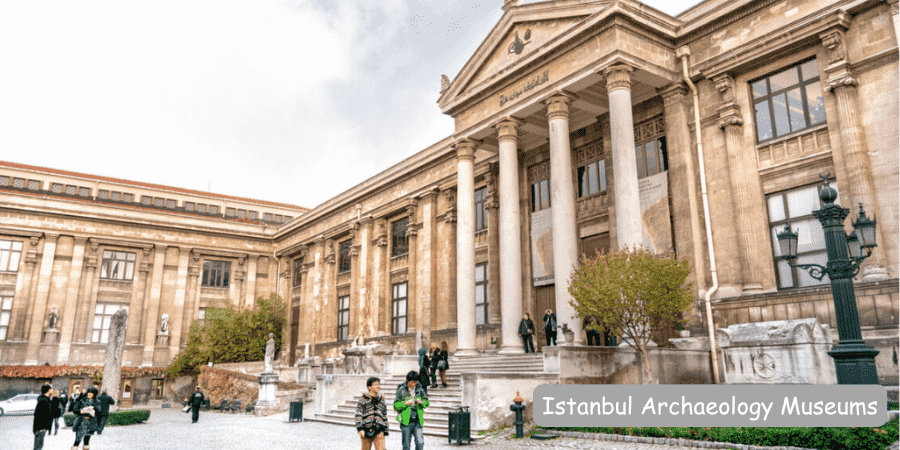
[
  {"x": 874, "y": 273},
  {"x": 512, "y": 350},
  {"x": 466, "y": 352}
]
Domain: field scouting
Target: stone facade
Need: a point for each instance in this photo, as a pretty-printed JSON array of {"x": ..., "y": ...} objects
[{"x": 552, "y": 128}]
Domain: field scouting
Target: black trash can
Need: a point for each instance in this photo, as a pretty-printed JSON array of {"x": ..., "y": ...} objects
[
  {"x": 296, "y": 412},
  {"x": 459, "y": 426}
]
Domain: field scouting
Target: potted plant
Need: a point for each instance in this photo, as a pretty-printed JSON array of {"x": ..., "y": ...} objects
[
  {"x": 681, "y": 331},
  {"x": 567, "y": 332}
]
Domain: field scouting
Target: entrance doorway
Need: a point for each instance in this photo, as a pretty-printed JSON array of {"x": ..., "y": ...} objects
[{"x": 126, "y": 399}]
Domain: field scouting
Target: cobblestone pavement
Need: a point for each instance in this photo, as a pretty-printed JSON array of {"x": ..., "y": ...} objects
[{"x": 171, "y": 429}]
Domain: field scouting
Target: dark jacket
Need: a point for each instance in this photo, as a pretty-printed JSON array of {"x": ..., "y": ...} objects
[
  {"x": 444, "y": 359},
  {"x": 371, "y": 415},
  {"x": 74, "y": 401},
  {"x": 196, "y": 400},
  {"x": 435, "y": 357},
  {"x": 86, "y": 424},
  {"x": 56, "y": 407},
  {"x": 526, "y": 327},
  {"x": 63, "y": 401},
  {"x": 550, "y": 322},
  {"x": 43, "y": 415},
  {"x": 105, "y": 400}
]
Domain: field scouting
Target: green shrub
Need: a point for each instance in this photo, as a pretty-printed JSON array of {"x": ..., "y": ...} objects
[
  {"x": 852, "y": 438},
  {"x": 123, "y": 417}
]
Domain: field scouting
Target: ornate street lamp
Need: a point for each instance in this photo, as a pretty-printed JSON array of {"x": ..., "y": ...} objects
[{"x": 853, "y": 359}]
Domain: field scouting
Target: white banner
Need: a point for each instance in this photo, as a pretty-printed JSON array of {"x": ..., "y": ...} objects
[{"x": 542, "y": 247}]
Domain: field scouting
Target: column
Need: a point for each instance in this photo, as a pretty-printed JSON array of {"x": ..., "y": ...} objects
[
  {"x": 353, "y": 328},
  {"x": 413, "y": 302},
  {"x": 842, "y": 84},
  {"x": 629, "y": 230},
  {"x": 178, "y": 303},
  {"x": 67, "y": 316},
  {"x": 151, "y": 307},
  {"x": 250, "y": 290},
  {"x": 192, "y": 301},
  {"x": 327, "y": 327},
  {"x": 138, "y": 297},
  {"x": 492, "y": 205},
  {"x": 562, "y": 201},
  {"x": 368, "y": 315},
  {"x": 40, "y": 301},
  {"x": 511, "y": 235},
  {"x": 465, "y": 248},
  {"x": 426, "y": 257},
  {"x": 895, "y": 15},
  {"x": 88, "y": 294},
  {"x": 21, "y": 312},
  {"x": 741, "y": 174},
  {"x": 449, "y": 298},
  {"x": 381, "y": 305}
]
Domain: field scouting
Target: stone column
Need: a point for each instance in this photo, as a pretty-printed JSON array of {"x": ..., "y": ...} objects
[
  {"x": 21, "y": 312},
  {"x": 88, "y": 294},
  {"x": 689, "y": 237},
  {"x": 326, "y": 328},
  {"x": 450, "y": 299},
  {"x": 40, "y": 301},
  {"x": 742, "y": 186},
  {"x": 492, "y": 205},
  {"x": 413, "y": 302},
  {"x": 138, "y": 296},
  {"x": 842, "y": 84},
  {"x": 67, "y": 318},
  {"x": 191, "y": 298},
  {"x": 151, "y": 307},
  {"x": 353, "y": 328},
  {"x": 178, "y": 302},
  {"x": 629, "y": 229},
  {"x": 427, "y": 261},
  {"x": 562, "y": 202},
  {"x": 510, "y": 233},
  {"x": 895, "y": 14},
  {"x": 465, "y": 248},
  {"x": 380, "y": 305},
  {"x": 238, "y": 286},
  {"x": 364, "y": 285},
  {"x": 250, "y": 290}
]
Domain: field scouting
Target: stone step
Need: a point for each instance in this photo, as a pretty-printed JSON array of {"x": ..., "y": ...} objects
[{"x": 431, "y": 428}]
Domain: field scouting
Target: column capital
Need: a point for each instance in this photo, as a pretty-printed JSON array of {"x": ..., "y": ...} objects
[
  {"x": 840, "y": 81},
  {"x": 366, "y": 221},
  {"x": 149, "y": 247},
  {"x": 833, "y": 40},
  {"x": 674, "y": 93},
  {"x": 730, "y": 115},
  {"x": 558, "y": 105},
  {"x": 80, "y": 240},
  {"x": 412, "y": 230},
  {"x": 725, "y": 85},
  {"x": 508, "y": 128},
  {"x": 51, "y": 237},
  {"x": 430, "y": 195},
  {"x": 465, "y": 149},
  {"x": 618, "y": 76}
]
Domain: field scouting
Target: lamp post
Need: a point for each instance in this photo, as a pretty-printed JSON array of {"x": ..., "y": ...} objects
[{"x": 854, "y": 360}]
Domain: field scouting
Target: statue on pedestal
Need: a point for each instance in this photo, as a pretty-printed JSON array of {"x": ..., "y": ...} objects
[
  {"x": 270, "y": 352},
  {"x": 54, "y": 318}
]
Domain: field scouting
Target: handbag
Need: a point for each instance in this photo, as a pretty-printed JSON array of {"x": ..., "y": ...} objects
[
  {"x": 442, "y": 365},
  {"x": 187, "y": 408}
]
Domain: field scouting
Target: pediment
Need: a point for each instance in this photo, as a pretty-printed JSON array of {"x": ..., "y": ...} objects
[{"x": 521, "y": 33}]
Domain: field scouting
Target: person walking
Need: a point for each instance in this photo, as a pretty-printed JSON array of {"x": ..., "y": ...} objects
[
  {"x": 593, "y": 336},
  {"x": 371, "y": 416},
  {"x": 196, "y": 401},
  {"x": 411, "y": 403},
  {"x": 43, "y": 417},
  {"x": 526, "y": 330},
  {"x": 56, "y": 410},
  {"x": 63, "y": 404},
  {"x": 76, "y": 396},
  {"x": 103, "y": 414},
  {"x": 435, "y": 358},
  {"x": 550, "y": 327},
  {"x": 86, "y": 421},
  {"x": 424, "y": 362},
  {"x": 443, "y": 364}
]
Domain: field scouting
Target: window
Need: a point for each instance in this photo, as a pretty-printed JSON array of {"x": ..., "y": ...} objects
[
  {"x": 171, "y": 204},
  {"x": 298, "y": 274},
  {"x": 18, "y": 183},
  {"x": 788, "y": 101},
  {"x": 267, "y": 217},
  {"x": 253, "y": 215},
  {"x": 216, "y": 273},
  {"x": 345, "y": 257},
  {"x": 480, "y": 210},
  {"x": 34, "y": 185},
  {"x": 539, "y": 177},
  {"x": 103, "y": 194},
  {"x": 343, "y": 329},
  {"x": 10, "y": 252},
  {"x": 242, "y": 213},
  {"x": 201, "y": 314},
  {"x": 399, "y": 240},
  {"x": 84, "y": 192},
  {"x": 4, "y": 180},
  {"x": 481, "y": 294},
  {"x": 117, "y": 265},
  {"x": 279, "y": 218},
  {"x": 157, "y": 388},
  {"x": 115, "y": 196},
  {"x": 795, "y": 207},
  {"x": 201, "y": 207},
  {"x": 146, "y": 200},
  {"x": 398, "y": 310},
  {"x": 129, "y": 198},
  {"x": 288, "y": 218},
  {"x": 103, "y": 313},
  {"x": 592, "y": 178},
  {"x": 71, "y": 190},
  {"x": 213, "y": 209},
  {"x": 188, "y": 206},
  {"x": 5, "y": 312},
  {"x": 56, "y": 188},
  {"x": 229, "y": 212},
  {"x": 159, "y": 202},
  {"x": 650, "y": 151}
]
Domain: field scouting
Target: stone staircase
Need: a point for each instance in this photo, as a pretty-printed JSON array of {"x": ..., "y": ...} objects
[{"x": 441, "y": 400}]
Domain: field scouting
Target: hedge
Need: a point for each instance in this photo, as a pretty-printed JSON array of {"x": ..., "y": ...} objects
[
  {"x": 123, "y": 417},
  {"x": 849, "y": 438}
]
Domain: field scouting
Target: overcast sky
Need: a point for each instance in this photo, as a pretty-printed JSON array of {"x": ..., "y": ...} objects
[{"x": 284, "y": 100}]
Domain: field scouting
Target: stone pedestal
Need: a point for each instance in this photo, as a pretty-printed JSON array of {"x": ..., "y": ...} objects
[
  {"x": 51, "y": 337},
  {"x": 268, "y": 387},
  {"x": 365, "y": 358}
]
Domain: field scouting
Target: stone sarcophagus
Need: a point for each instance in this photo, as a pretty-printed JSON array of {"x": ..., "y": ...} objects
[{"x": 777, "y": 352}]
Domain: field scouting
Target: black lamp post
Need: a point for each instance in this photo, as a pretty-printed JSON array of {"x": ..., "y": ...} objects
[{"x": 853, "y": 359}]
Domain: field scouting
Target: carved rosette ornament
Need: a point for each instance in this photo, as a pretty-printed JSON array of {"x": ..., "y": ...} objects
[
  {"x": 618, "y": 77},
  {"x": 558, "y": 105}
]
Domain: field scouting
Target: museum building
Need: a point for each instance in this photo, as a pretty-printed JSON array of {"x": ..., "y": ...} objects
[{"x": 579, "y": 126}]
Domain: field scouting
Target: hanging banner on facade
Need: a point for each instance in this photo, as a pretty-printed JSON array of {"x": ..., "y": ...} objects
[
  {"x": 542, "y": 247},
  {"x": 655, "y": 214}
]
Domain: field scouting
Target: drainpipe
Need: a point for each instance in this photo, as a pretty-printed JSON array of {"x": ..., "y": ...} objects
[{"x": 684, "y": 53}]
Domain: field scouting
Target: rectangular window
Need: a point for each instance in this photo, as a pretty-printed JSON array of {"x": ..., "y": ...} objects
[
  {"x": 344, "y": 264},
  {"x": 399, "y": 240},
  {"x": 242, "y": 213},
  {"x": 343, "y": 329},
  {"x": 480, "y": 210},
  {"x": 103, "y": 313},
  {"x": 298, "y": 271},
  {"x": 213, "y": 209},
  {"x": 481, "y": 294},
  {"x": 56, "y": 188},
  {"x": 788, "y": 101},
  {"x": 288, "y": 218},
  {"x": 159, "y": 202},
  {"x": 128, "y": 198},
  {"x": 795, "y": 207},
  {"x": 651, "y": 157},
  {"x": 398, "y": 310},
  {"x": 216, "y": 273},
  {"x": 115, "y": 196},
  {"x": 592, "y": 178},
  {"x": 103, "y": 194},
  {"x": 188, "y": 206},
  {"x": 252, "y": 215},
  {"x": 267, "y": 217},
  {"x": 201, "y": 207},
  {"x": 540, "y": 195},
  {"x": 201, "y": 314},
  {"x": 4, "y": 180},
  {"x": 171, "y": 204},
  {"x": 71, "y": 190},
  {"x": 84, "y": 192},
  {"x": 5, "y": 312},
  {"x": 117, "y": 265},
  {"x": 229, "y": 212},
  {"x": 10, "y": 253},
  {"x": 157, "y": 388},
  {"x": 34, "y": 185},
  {"x": 146, "y": 200}
]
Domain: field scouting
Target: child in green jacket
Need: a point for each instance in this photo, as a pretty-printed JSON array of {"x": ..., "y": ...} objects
[{"x": 411, "y": 403}]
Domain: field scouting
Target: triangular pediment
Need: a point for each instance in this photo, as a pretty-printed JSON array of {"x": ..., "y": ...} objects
[{"x": 522, "y": 32}]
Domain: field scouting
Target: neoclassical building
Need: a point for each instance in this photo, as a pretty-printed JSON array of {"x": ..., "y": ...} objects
[{"x": 580, "y": 125}]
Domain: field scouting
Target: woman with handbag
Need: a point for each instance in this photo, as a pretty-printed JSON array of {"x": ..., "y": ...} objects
[
  {"x": 371, "y": 416},
  {"x": 86, "y": 421},
  {"x": 443, "y": 364}
]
